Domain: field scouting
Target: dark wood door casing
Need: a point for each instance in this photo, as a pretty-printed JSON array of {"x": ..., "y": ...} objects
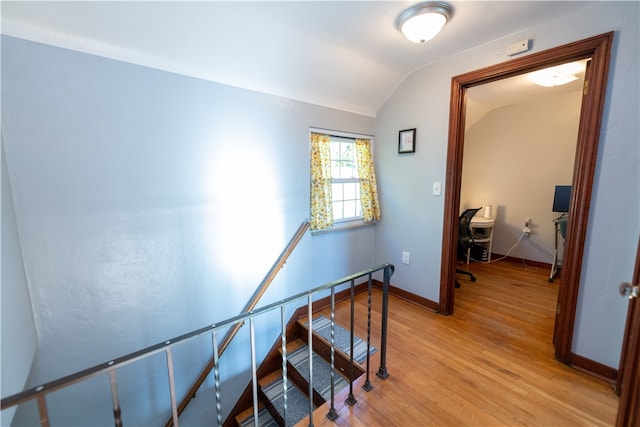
[
  {"x": 629, "y": 372},
  {"x": 598, "y": 49}
]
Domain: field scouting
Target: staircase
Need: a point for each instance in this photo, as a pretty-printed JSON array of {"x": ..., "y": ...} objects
[
  {"x": 267, "y": 390},
  {"x": 270, "y": 377}
]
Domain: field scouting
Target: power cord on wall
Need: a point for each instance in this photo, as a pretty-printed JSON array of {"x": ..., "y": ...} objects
[
  {"x": 515, "y": 245},
  {"x": 549, "y": 254},
  {"x": 511, "y": 248}
]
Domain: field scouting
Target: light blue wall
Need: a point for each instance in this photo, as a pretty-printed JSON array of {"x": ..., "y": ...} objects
[
  {"x": 19, "y": 336},
  {"x": 151, "y": 204},
  {"x": 413, "y": 217}
]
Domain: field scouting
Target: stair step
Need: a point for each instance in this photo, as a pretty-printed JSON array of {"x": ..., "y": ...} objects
[
  {"x": 342, "y": 338},
  {"x": 270, "y": 385},
  {"x": 321, "y": 345},
  {"x": 292, "y": 346},
  {"x": 297, "y": 401},
  {"x": 321, "y": 371},
  {"x": 245, "y": 419}
]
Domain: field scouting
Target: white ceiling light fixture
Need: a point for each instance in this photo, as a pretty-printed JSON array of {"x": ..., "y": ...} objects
[
  {"x": 558, "y": 75},
  {"x": 423, "y": 21}
]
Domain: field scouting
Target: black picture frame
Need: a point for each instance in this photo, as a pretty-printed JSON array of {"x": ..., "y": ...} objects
[{"x": 407, "y": 141}]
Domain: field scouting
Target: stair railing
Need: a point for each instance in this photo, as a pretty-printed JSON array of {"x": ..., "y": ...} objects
[
  {"x": 251, "y": 304},
  {"x": 40, "y": 392}
]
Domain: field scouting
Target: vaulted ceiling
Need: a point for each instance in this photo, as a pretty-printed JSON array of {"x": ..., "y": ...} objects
[{"x": 341, "y": 54}]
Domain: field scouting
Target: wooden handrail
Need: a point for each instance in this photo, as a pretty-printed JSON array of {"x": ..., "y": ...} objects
[{"x": 251, "y": 304}]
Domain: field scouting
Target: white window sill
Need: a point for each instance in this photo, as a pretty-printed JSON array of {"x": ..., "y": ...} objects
[{"x": 344, "y": 225}]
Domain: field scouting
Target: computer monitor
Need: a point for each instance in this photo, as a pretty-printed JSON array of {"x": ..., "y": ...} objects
[{"x": 561, "y": 198}]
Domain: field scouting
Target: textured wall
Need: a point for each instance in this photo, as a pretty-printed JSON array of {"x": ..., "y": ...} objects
[
  {"x": 152, "y": 204},
  {"x": 19, "y": 335}
]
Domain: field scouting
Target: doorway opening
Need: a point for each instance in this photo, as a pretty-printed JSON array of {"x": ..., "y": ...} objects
[
  {"x": 520, "y": 143},
  {"x": 595, "y": 49}
]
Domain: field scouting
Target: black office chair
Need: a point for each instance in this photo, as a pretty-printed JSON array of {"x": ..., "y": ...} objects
[{"x": 465, "y": 240}]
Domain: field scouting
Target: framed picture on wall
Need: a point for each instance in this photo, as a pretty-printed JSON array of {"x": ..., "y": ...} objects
[{"x": 407, "y": 141}]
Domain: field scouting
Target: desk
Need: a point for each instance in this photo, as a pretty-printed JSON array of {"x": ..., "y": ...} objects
[{"x": 482, "y": 232}]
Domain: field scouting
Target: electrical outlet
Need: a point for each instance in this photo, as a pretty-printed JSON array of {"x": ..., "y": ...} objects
[
  {"x": 406, "y": 258},
  {"x": 527, "y": 222}
]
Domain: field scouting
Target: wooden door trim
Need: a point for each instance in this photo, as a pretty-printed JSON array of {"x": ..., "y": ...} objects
[
  {"x": 629, "y": 371},
  {"x": 598, "y": 49}
]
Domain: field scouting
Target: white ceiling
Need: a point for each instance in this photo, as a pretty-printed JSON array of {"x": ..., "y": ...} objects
[
  {"x": 515, "y": 90},
  {"x": 342, "y": 54}
]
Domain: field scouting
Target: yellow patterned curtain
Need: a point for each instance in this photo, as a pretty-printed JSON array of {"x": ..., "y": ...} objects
[
  {"x": 321, "y": 200},
  {"x": 368, "y": 186}
]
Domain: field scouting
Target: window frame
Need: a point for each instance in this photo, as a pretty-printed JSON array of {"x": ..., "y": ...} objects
[
  {"x": 351, "y": 222},
  {"x": 350, "y": 180}
]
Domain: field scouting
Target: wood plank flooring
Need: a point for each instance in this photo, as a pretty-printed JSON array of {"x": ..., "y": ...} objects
[{"x": 490, "y": 364}]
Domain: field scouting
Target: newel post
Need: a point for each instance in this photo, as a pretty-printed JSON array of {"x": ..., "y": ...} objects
[{"x": 382, "y": 371}]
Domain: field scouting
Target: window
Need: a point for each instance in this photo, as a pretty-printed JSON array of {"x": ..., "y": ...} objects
[{"x": 343, "y": 182}]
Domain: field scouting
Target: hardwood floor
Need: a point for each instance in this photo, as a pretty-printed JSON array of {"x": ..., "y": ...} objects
[{"x": 490, "y": 364}]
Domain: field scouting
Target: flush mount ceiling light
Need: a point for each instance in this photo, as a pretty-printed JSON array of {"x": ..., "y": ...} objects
[
  {"x": 424, "y": 21},
  {"x": 558, "y": 75}
]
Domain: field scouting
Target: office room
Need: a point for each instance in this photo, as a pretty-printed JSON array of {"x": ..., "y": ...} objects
[{"x": 520, "y": 143}]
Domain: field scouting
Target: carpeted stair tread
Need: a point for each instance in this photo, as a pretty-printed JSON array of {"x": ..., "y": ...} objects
[
  {"x": 321, "y": 372},
  {"x": 297, "y": 401},
  {"x": 342, "y": 339},
  {"x": 271, "y": 385}
]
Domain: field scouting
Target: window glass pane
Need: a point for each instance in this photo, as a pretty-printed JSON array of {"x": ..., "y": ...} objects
[
  {"x": 347, "y": 150},
  {"x": 335, "y": 169},
  {"x": 350, "y": 208},
  {"x": 344, "y": 166},
  {"x": 346, "y": 171},
  {"x": 335, "y": 150},
  {"x": 336, "y": 192},
  {"x": 349, "y": 191},
  {"x": 337, "y": 211}
]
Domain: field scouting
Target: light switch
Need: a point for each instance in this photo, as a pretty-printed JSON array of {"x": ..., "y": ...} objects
[{"x": 437, "y": 188}]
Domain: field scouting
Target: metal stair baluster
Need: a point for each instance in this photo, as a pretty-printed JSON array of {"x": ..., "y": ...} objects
[
  {"x": 254, "y": 372},
  {"x": 216, "y": 378},
  {"x": 351, "y": 400},
  {"x": 367, "y": 384},
  {"x": 285, "y": 385},
  {"x": 172, "y": 385},
  {"x": 333, "y": 415},
  {"x": 310, "y": 345},
  {"x": 114, "y": 397}
]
